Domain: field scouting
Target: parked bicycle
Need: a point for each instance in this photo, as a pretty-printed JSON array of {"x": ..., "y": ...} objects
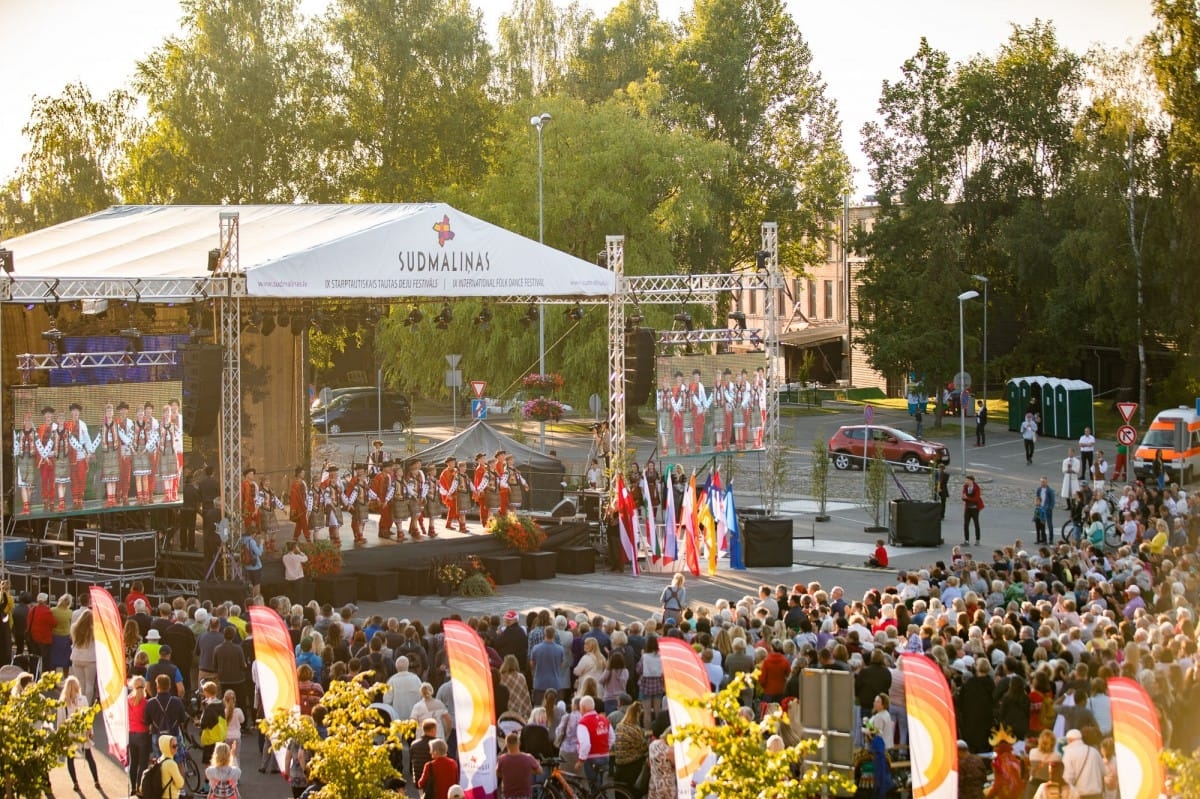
[{"x": 565, "y": 785}]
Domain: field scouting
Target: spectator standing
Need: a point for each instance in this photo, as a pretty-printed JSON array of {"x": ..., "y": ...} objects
[
  {"x": 1083, "y": 767},
  {"x": 973, "y": 772},
  {"x": 674, "y": 598},
  {"x": 83, "y": 655},
  {"x": 293, "y": 563},
  {"x": 419, "y": 752},
  {"x": 72, "y": 701},
  {"x": 972, "y": 498},
  {"x": 546, "y": 662},
  {"x": 1029, "y": 436},
  {"x": 440, "y": 773},
  {"x": 981, "y": 420},
  {"x": 403, "y": 689},
  {"x": 1087, "y": 453},
  {"x": 516, "y": 769},
  {"x": 139, "y": 733},
  {"x": 1070, "y": 480},
  {"x": 165, "y": 715},
  {"x": 630, "y": 748},
  {"x": 172, "y": 779},
  {"x": 1044, "y": 512},
  {"x": 222, "y": 776},
  {"x": 233, "y": 673}
]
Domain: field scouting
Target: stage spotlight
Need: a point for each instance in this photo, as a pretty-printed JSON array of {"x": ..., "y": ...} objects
[
  {"x": 738, "y": 317},
  {"x": 414, "y": 317},
  {"x": 282, "y": 319},
  {"x": 54, "y": 337},
  {"x": 602, "y": 259},
  {"x": 214, "y": 260},
  {"x": 196, "y": 321},
  {"x": 575, "y": 312},
  {"x": 268, "y": 325},
  {"x": 298, "y": 324},
  {"x": 133, "y": 340},
  {"x": 531, "y": 315},
  {"x": 444, "y": 317},
  {"x": 760, "y": 260},
  {"x": 255, "y": 319},
  {"x": 684, "y": 318},
  {"x": 484, "y": 317},
  {"x": 6, "y": 260},
  {"x": 635, "y": 319}
]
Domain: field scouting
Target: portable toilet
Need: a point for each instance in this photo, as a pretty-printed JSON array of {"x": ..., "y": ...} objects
[
  {"x": 1077, "y": 406},
  {"x": 1023, "y": 392},
  {"x": 1016, "y": 409},
  {"x": 1050, "y": 420}
]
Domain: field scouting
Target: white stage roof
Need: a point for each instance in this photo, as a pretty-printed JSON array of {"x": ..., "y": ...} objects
[{"x": 369, "y": 250}]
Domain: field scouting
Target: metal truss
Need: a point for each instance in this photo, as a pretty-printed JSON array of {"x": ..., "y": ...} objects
[
  {"x": 718, "y": 335},
  {"x": 35, "y": 362},
  {"x": 615, "y": 250},
  {"x": 229, "y": 314},
  {"x": 68, "y": 289},
  {"x": 770, "y": 245},
  {"x": 677, "y": 288}
]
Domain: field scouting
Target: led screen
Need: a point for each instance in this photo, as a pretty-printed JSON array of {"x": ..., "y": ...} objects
[{"x": 711, "y": 403}]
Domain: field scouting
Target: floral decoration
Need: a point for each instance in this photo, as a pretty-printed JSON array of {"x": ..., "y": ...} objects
[
  {"x": 551, "y": 382},
  {"x": 450, "y": 573},
  {"x": 517, "y": 532},
  {"x": 324, "y": 558},
  {"x": 541, "y": 409}
]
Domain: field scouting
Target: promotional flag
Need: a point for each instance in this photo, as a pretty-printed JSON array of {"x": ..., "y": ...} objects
[
  {"x": 735, "y": 530},
  {"x": 651, "y": 527},
  {"x": 474, "y": 709},
  {"x": 708, "y": 527},
  {"x": 670, "y": 526},
  {"x": 685, "y": 681},
  {"x": 276, "y": 663},
  {"x": 110, "y": 672},
  {"x": 691, "y": 540},
  {"x": 1138, "y": 740},
  {"x": 623, "y": 503},
  {"x": 932, "y": 729},
  {"x": 716, "y": 499}
]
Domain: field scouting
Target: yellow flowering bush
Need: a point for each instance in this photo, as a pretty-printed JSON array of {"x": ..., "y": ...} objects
[
  {"x": 32, "y": 742},
  {"x": 351, "y": 761}
]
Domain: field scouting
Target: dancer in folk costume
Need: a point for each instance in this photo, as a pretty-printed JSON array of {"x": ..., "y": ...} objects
[
  {"x": 432, "y": 507},
  {"x": 489, "y": 492},
  {"x": 679, "y": 404},
  {"x": 717, "y": 414},
  {"x": 152, "y": 478},
  {"x": 477, "y": 482},
  {"x": 300, "y": 505},
  {"x": 758, "y": 412},
  {"x": 170, "y": 439},
  {"x": 46, "y": 441},
  {"x": 729, "y": 395},
  {"x": 331, "y": 502},
  {"x": 25, "y": 454},
  {"x": 355, "y": 499},
  {"x": 80, "y": 453},
  {"x": 62, "y": 462},
  {"x": 414, "y": 498},
  {"x": 377, "y": 460},
  {"x": 518, "y": 486},
  {"x": 700, "y": 401},
  {"x": 125, "y": 435},
  {"x": 251, "y": 501},
  {"x": 144, "y": 442},
  {"x": 662, "y": 403},
  {"x": 398, "y": 507},
  {"x": 447, "y": 485},
  {"x": 268, "y": 503},
  {"x": 464, "y": 495},
  {"x": 109, "y": 443},
  {"x": 499, "y": 467},
  {"x": 741, "y": 410},
  {"x": 383, "y": 487},
  {"x": 177, "y": 417}
]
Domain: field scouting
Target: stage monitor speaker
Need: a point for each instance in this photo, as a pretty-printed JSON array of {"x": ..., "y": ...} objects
[
  {"x": 563, "y": 510},
  {"x": 201, "y": 404},
  {"x": 767, "y": 542}
]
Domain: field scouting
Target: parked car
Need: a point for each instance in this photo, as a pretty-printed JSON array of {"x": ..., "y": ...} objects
[
  {"x": 846, "y": 448},
  {"x": 328, "y": 395},
  {"x": 358, "y": 411}
]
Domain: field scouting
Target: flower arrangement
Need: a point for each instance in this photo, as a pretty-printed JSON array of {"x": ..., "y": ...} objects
[
  {"x": 541, "y": 409},
  {"x": 551, "y": 382},
  {"x": 519, "y": 533},
  {"x": 323, "y": 558},
  {"x": 450, "y": 573}
]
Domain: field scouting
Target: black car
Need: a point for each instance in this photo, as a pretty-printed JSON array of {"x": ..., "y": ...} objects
[{"x": 358, "y": 411}]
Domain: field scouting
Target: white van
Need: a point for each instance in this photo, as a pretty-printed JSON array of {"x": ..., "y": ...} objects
[{"x": 1176, "y": 432}]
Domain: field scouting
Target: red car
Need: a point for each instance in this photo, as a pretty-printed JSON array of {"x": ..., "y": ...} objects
[{"x": 846, "y": 448}]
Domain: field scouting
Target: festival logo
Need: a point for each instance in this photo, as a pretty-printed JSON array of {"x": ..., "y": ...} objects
[{"x": 444, "y": 232}]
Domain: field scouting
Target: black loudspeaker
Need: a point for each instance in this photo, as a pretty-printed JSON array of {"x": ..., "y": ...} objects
[
  {"x": 563, "y": 509},
  {"x": 639, "y": 366},
  {"x": 201, "y": 404},
  {"x": 917, "y": 524},
  {"x": 767, "y": 542}
]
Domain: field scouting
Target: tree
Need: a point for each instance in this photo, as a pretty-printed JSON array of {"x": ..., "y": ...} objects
[
  {"x": 34, "y": 742},
  {"x": 537, "y": 43},
  {"x": 626, "y": 46},
  {"x": 820, "y": 476},
  {"x": 744, "y": 767},
  {"x": 75, "y": 157}
]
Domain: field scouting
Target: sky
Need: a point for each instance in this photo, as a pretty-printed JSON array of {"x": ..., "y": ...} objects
[{"x": 856, "y": 46}]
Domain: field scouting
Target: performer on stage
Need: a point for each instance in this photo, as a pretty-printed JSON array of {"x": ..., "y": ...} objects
[
  {"x": 268, "y": 503},
  {"x": 377, "y": 459},
  {"x": 654, "y": 483},
  {"x": 331, "y": 502},
  {"x": 699, "y": 402},
  {"x": 679, "y": 403},
  {"x": 177, "y": 417},
  {"x": 25, "y": 454},
  {"x": 169, "y": 443},
  {"x": 489, "y": 492},
  {"x": 414, "y": 497},
  {"x": 144, "y": 443},
  {"x": 662, "y": 403},
  {"x": 355, "y": 498},
  {"x": 716, "y": 403},
  {"x": 398, "y": 507},
  {"x": 432, "y": 507},
  {"x": 152, "y": 478},
  {"x": 448, "y": 489},
  {"x": 251, "y": 501},
  {"x": 518, "y": 486},
  {"x": 477, "y": 480},
  {"x": 741, "y": 410},
  {"x": 81, "y": 450},
  {"x": 464, "y": 495},
  {"x": 62, "y": 461},
  {"x": 499, "y": 469},
  {"x": 125, "y": 434},
  {"x": 46, "y": 453},
  {"x": 300, "y": 504},
  {"x": 759, "y": 409},
  {"x": 380, "y": 498},
  {"x": 109, "y": 444}
]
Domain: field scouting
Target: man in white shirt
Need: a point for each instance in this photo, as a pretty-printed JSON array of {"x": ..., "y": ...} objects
[
  {"x": 1087, "y": 452},
  {"x": 1083, "y": 767},
  {"x": 403, "y": 689},
  {"x": 1029, "y": 436},
  {"x": 1070, "y": 481}
]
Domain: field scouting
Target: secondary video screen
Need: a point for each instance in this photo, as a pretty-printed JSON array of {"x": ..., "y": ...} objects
[
  {"x": 711, "y": 403},
  {"x": 96, "y": 448}
]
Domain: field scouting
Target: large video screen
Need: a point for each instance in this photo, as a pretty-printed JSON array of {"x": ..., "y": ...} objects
[
  {"x": 711, "y": 403},
  {"x": 96, "y": 448}
]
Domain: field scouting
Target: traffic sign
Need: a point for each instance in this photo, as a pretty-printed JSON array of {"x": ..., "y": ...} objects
[
  {"x": 478, "y": 387},
  {"x": 1127, "y": 410},
  {"x": 869, "y": 413},
  {"x": 1125, "y": 434},
  {"x": 454, "y": 378},
  {"x": 478, "y": 409},
  {"x": 453, "y": 360}
]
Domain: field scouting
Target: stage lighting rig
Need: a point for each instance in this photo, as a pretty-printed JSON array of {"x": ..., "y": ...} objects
[
  {"x": 444, "y": 317},
  {"x": 196, "y": 321},
  {"x": 760, "y": 260},
  {"x": 133, "y": 340},
  {"x": 55, "y": 338},
  {"x": 684, "y": 318},
  {"x": 6, "y": 260},
  {"x": 738, "y": 317},
  {"x": 484, "y": 318},
  {"x": 268, "y": 325},
  {"x": 414, "y": 317},
  {"x": 575, "y": 312},
  {"x": 214, "y": 259}
]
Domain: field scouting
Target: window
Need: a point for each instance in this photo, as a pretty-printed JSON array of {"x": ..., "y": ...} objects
[
  {"x": 753, "y": 301},
  {"x": 828, "y": 299},
  {"x": 812, "y": 299}
]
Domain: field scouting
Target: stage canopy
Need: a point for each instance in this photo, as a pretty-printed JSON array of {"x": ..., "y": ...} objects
[
  {"x": 544, "y": 472},
  {"x": 296, "y": 251}
]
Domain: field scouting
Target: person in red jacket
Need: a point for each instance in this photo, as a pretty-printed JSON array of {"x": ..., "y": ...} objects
[
  {"x": 773, "y": 675},
  {"x": 595, "y": 736},
  {"x": 880, "y": 559},
  {"x": 41, "y": 627},
  {"x": 972, "y": 499},
  {"x": 440, "y": 773},
  {"x": 136, "y": 591}
]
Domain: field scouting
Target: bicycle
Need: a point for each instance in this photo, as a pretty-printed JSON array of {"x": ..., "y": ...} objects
[
  {"x": 564, "y": 785},
  {"x": 1072, "y": 532},
  {"x": 193, "y": 772}
]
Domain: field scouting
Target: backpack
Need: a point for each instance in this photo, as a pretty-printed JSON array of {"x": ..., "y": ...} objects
[
  {"x": 215, "y": 734},
  {"x": 223, "y": 789},
  {"x": 151, "y": 784}
]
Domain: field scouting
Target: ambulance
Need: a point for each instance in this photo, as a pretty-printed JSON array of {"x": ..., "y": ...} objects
[{"x": 1176, "y": 432}]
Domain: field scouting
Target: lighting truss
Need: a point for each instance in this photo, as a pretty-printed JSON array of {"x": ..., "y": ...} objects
[
  {"x": 31, "y": 362},
  {"x": 716, "y": 335}
]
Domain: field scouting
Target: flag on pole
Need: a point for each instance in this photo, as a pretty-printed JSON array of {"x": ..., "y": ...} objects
[
  {"x": 276, "y": 662},
  {"x": 708, "y": 526},
  {"x": 735, "y": 530},
  {"x": 623, "y": 502},
  {"x": 1137, "y": 738},
  {"x": 670, "y": 527},
  {"x": 691, "y": 540},
  {"x": 686, "y": 684},
  {"x": 716, "y": 498},
  {"x": 474, "y": 709},
  {"x": 651, "y": 528},
  {"x": 110, "y": 672}
]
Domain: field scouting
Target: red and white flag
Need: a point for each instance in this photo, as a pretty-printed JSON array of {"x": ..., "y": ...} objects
[{"x": 623, "y": 502}]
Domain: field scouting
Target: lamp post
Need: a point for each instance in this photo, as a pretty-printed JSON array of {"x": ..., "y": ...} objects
[
  {"x": 962, "y": 375},
  {"x": 983, "y": 279},
  {"x": 539, "y": 121}
]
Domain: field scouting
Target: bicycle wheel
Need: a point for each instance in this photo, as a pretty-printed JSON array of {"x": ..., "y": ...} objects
[
  {"x": 1112, "y": 536},
  {"x": 613, "y": 790},
  {"x": 191, "y": 773},
  {"x": 1067, "y": 534}
]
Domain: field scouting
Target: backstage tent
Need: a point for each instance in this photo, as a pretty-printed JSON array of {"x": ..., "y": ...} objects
[
  {"x": 545, "y": 474},
  {"x": 416, "y": 250}
]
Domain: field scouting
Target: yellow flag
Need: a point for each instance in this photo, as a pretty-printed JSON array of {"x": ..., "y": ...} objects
[{"x": 709, "y": 526}]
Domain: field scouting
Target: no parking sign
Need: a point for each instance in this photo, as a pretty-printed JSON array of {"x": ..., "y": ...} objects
[{"x": 1126, "y": 435}]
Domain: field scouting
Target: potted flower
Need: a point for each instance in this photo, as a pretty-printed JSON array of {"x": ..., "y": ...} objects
[
  {"x": 517, "y": 532},
  {"x": 449, "y": 576},
  {"x": 324, "y": 559},
  {"x": 541, "y": 409},
  {"x": 478, "y": 581},
  {"x": 544, "y": 383}
]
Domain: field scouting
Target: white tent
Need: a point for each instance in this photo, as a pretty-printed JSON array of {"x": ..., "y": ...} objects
[{"x": 375, "y": 250}]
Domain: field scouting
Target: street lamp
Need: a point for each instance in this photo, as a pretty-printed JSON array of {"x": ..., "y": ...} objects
[
  {"x": 962, "y": 379},
  {"x": 539, "y": 121},
  {"x": 983, "y": 279}
]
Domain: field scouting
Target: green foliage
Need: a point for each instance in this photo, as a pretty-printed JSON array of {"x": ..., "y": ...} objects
[
  {"x": 33, "y": 741},
  {"x": 878, "y": 472},
  {"x": 628, "y": 45},
  {"x": 820, "y": 471},
  {"x": 537, "y": 41},
  {"x": 352, "y": 759},
  {"x": 744, "y": 769},
  {"x": 476, "y": 585},
  {"x": 1183, "y": 773}
]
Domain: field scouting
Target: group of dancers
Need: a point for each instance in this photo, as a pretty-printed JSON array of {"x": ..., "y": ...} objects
[
  {"x": 734, "y": 408},
  {"x": 143, "y": 452},
  {"x": 399, "y": 491}
]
